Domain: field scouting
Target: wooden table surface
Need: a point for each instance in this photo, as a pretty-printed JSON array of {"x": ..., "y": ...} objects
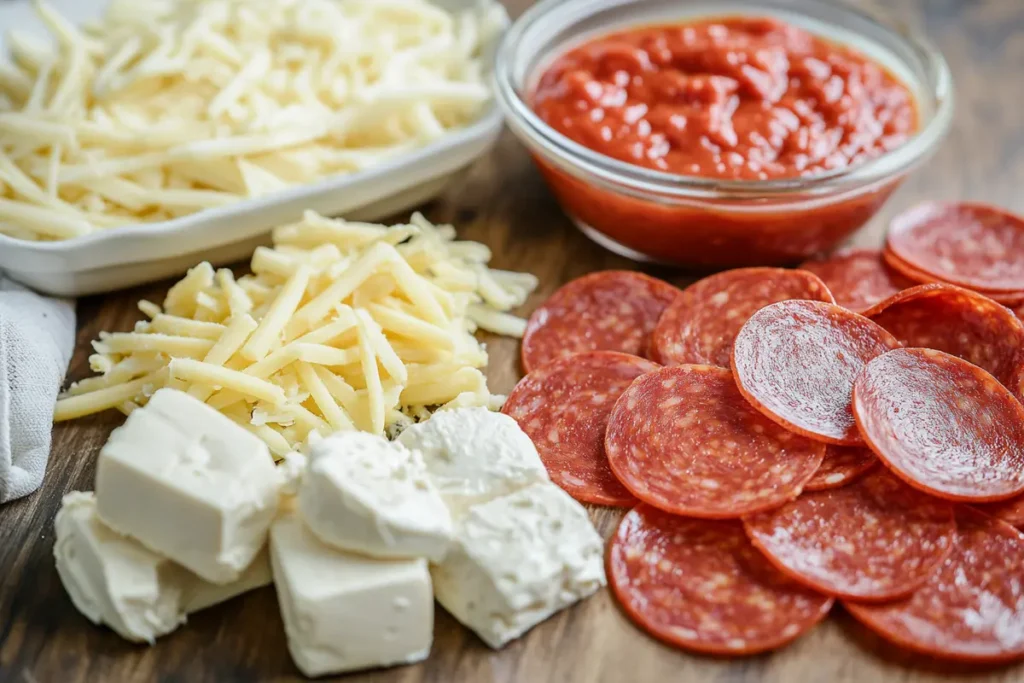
[{"x": 504, "y": 203}]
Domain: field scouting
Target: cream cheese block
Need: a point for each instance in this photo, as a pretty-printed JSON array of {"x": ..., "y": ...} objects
[
  {"x": 517, "y": 560},
  {"x": 190, "y": 484},
  {"x": 116, "y": 581},
  {"x": 290, "y": 471},
  {"x": 365, "y": 494},
  {"x": 199, "y": 594},
  {"x": 344, "y": 612},
  {"x": 474, "y": 455}
]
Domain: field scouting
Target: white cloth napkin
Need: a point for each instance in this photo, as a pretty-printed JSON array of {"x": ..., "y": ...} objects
[{"x": 37, "y": 337}]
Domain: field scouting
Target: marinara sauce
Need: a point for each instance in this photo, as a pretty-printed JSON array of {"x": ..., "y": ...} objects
[{"x": 731, "y": 98}]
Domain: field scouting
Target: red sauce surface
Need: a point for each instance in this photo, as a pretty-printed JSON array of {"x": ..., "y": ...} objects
[{"x": 732, "y": 98}]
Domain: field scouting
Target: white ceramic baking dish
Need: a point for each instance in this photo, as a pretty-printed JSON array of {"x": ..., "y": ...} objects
[{"x": 131, "y": 255}]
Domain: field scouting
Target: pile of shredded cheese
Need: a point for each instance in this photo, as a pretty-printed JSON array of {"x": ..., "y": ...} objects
[
  {"x": 168, "y": 107},
  {"x": 339, "y": 326}
]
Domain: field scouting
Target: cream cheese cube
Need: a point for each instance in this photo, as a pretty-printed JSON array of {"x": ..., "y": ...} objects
[
  {"x": 115, "y": 580},
  {"x": 199, "y": 594},
  {"x": 344, "y": 612},
  {"x": 190, "y": 484},
  {"x": 365, "y": 494},
  {"x": 290, "y": 471},
  {"x": 474, "y": 455},
  {"x": 517, "y": 560}
]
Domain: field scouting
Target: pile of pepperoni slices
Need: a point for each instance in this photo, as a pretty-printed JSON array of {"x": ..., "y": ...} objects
[{"x": 786, "y": 438}]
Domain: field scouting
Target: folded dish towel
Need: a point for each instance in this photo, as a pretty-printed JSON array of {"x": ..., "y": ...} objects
[{"x": 37, "y": 337}]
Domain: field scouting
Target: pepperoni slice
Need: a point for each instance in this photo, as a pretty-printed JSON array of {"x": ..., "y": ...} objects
[
  {"x": 842, "y": 464},
  {"x": 702, "y": 586},
  {"x": 611, "y": 310},
  {"x": 876, "y": 539},
  {"x": 965, "y": 244},
  {"x": 564, "y": 407},
  {"x": 1010, "y": 300},
  {"x": 1010, "y": 511},
  {"x": 972, "y": 608},
  {"x": 906, "y": 270},
  {"x": 684, "y": 440},
  {"x": 858, "y": 279},
  {"x": 942, "y": 425},
  {"x": 1013, "y": 298},
  {"x": 959, "y": 322},
  {"x": 795, "y": 361},
  {"x": 1016, "y": 381},
  {"x": 701, "y": 324}
]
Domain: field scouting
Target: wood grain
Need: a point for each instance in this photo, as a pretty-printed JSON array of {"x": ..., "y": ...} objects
[{"x": 503, "y": 203}]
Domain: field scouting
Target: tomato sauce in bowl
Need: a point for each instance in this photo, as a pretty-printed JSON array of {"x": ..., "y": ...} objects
[
  {"x": 734, "y": 97},
  {"x": 718, "y": 141}
]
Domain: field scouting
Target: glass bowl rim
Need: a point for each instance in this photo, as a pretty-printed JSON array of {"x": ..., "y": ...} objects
[{"x": 639, "y": 180}]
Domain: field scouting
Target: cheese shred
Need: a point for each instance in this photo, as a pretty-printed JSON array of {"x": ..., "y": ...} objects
[
  {"x": 364, "y": 335},
  {"x": 167, "y": 107}
]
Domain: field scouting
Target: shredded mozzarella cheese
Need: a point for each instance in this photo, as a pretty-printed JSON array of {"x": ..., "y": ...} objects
[{"x": 168, "y": 107}]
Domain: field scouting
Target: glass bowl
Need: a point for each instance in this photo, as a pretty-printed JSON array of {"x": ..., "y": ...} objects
[{"x": 700, "y": 222}]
